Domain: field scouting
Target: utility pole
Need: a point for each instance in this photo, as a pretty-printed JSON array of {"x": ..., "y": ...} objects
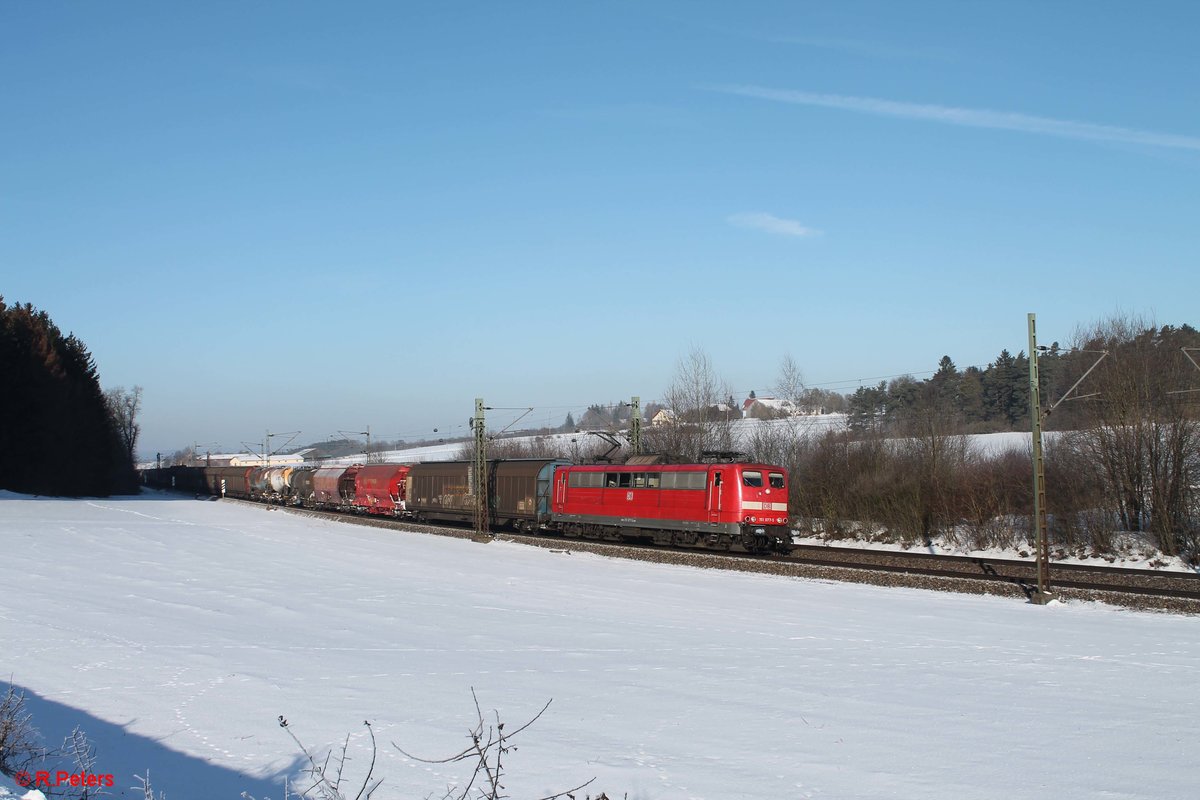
[
  {"x": 1196, "y": 364},
  {"x": 366, "y": 433},
  {"x": 266, "y": 451},
  {"x": 480, "y": 469},
  {"x": 207, "y": 451},
  {"x": 1043, "y": 595},
  {"x": 635, "y": 425}
]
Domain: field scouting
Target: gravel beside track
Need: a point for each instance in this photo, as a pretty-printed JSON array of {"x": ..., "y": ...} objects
[{"x": 1139, "y": 589}]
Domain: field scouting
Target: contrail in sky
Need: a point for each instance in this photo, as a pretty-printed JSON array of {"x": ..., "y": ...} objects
[{"x": 969, "y": 117}]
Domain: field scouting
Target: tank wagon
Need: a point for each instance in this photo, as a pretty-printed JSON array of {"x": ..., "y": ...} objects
[{"x": 302, "y": 491}]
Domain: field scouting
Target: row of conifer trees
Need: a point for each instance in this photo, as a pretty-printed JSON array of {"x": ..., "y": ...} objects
[{"x": 58, "y": 433}]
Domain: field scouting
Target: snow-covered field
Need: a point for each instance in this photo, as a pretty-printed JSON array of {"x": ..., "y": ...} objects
[{"x": 176, "y": 631}]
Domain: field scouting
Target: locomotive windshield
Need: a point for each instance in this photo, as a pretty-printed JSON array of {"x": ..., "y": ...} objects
[{"x": 754, "y": 479}]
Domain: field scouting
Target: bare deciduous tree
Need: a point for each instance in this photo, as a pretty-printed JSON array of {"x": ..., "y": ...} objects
[
  {"x": 1141, "y": 434},
  {"x": 123, "y": 406},
  {"x": 702, "y": 420},
  {"x": 790, "y": 385}
]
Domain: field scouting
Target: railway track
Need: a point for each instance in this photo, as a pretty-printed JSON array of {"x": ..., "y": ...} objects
[
  {"x": 1018, "y": 572},
  {"x": 1135, "y": 588}
]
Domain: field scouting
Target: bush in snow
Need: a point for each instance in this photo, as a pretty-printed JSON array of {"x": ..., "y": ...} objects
[
  {"x": 20, "y": 742},
  {"x": 486, "y": 758}
]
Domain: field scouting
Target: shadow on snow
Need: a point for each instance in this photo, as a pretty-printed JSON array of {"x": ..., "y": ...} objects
[{"x": 125, "y": 754}]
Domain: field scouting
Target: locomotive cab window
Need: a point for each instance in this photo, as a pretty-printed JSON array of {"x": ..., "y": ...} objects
[
  {"x": 684, "y": 480},
  {"x": 776, "y": 479},
  {"x": 626, "y": 479},
  {"x": 586, "y": 480},
  {"x": 610, "y": 480},
  {"x": 752, "y": 478},
  {"x": 653, "y": 480}
]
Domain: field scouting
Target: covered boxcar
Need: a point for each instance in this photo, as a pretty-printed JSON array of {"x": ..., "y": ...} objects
[
  {"x": 732, "y": 506},
  {"x": 228, "y": 481},
  {"x": 518, "y": 491},
  {"x": 325, "y": 486},
  {"x": 380, "y": 489},
  {"x": 179, "y": 477}
]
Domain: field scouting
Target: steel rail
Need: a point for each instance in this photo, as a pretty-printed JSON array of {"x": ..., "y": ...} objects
[{"x": 972, "y": 569}]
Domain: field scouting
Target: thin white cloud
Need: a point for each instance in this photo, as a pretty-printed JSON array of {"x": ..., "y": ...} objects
[
  {"x": 770, "y": 223},
  {"x": 969, "y": 117}
]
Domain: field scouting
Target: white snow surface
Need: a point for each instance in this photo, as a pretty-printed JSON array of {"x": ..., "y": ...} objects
[{"x": 176, "y": 631}]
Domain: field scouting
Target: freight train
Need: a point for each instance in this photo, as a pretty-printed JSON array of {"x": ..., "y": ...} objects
[{"x": 734, "y": 506}]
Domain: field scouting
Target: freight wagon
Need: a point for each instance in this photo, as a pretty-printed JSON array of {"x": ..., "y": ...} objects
[{"x": 518, "y": 491}]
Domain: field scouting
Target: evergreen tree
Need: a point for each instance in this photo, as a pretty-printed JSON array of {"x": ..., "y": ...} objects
[
  {"x": 1006, "y": 390},
  {"x": 970, "y": 394},
  {"x": 867, "y": 407},
  {"x": 56, "y": 433}
]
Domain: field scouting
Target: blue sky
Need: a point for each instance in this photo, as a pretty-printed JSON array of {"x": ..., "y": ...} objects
[{"x": 319, "y": 216}]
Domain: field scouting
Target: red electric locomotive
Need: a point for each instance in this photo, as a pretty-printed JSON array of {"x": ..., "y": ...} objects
[{"x": 738, "y": 506}]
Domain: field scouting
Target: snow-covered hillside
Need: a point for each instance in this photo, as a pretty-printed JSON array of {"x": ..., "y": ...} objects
[
  {"x": 176, "y": 631},
  {"x": 743, "y": 430}
]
